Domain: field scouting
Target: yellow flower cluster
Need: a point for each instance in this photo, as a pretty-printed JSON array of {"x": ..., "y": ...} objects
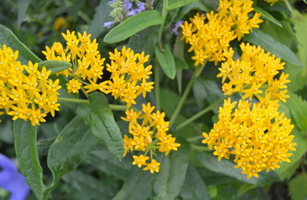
[
  {"x": 210, "y": 39},
  {"x": 128, "y": 73},
  {"x": 27, "y": 96},
  {"x": 253, "y": 71},
  {"x": 148, "y": 136},
  {"x": 260, "y": 137}
]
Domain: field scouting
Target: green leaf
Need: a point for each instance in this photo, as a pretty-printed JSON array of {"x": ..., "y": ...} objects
[
  {"x": 267, "y": 15},
  {"x": 171, "y": 15},
  {"x": 93, "y": 188},
  {"x": 145, "y": 40},
  {"x": 244, "y": 187},
  {"x": 172, "y": 4},
  {"x": 193, "y": 6},
  {"x": 10, "y": 40},
  {"x": 300, "y": 119},
  {"x": 299, "y": 22},
  {"x": 266, "y": 42},
  {"x": 132, "y": 25},
  {"x": 297, "y": 187},
  {"x": 101, "y": 16},
  {"x": 180, "y": 64},
  {"x": 68, "y": 150},
  {"x": 99, "y": 116},
  {"x": 54, "y": 66},
  {"x": 193, "y": 187},
  {"x": 111, "y": 165},
  {"x": 166, "y": 60},
  {"x": 173, "y": 169},
  {"x": 297, "y": 104},
  {"x": 204, "y": 90},
  {"x": 226, "y": 167},
  {"x": 26, "y": 150},
  {"x": 22, "y": 6},
  {"x": 136, "y": 187}
]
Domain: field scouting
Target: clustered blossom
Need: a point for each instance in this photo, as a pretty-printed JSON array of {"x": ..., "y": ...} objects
[
  {"x": 209, "y": 39},
  {"x": 128, "y": 73},
  {"x": 148, "y": 135},
  {"x": 253, "y": 71},
  {"x": 124, "y": 9},
  {"x": 26, "y": 96},
  {"x": 259, "y": 136}
]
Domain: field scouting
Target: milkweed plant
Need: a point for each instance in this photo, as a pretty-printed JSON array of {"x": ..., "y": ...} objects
[{"x": 163, "y": 99}]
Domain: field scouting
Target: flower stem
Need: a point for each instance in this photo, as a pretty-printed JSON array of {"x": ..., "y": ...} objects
[
  {"x": 200, "y": 148},
  {"x": 112, "y": 106},
  {"x": 192, "y": 139},
  {"x": 157, "y": 85},
  {"x": 157, "y": 67},
  {"x": 185, "y": 94},
  {"x": 73, "y": 100},
  {"x": 204, "y": 111}
]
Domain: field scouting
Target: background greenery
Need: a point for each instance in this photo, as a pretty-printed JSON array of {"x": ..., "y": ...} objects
[{"x": 102, "y": 176}]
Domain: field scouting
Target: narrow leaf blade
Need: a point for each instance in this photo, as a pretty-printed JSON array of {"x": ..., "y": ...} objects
[
  {"x": 9, "y": 39},
  {"x": 257, "y": 37},
  {"x": 54, "y": 66},
  {"x": 133, "y": 25},
  {"x": 170, "y": 178},
  {"x": 99, "y": 116},
  {"x": 179, "y": 3},
  {"x": 27, "y": 155},
  {"x": 68, "y": 150},
  {"x": 267, "y": 15},
  {"x": 166, "y": 60}
]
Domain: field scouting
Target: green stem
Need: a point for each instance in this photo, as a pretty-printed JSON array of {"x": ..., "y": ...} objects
[
  {"x": 112, "y": 106},
  {"x": 157, "y": 85},
  {"x": 84, "y": 92},
  {"x": 157, "y": 67},
  {"x": 204, "y": 111},
  {"x": 185, "y": 94},
  {"x": 200, "y": 148},
  {"x": 192, "y": 139},
  {"x": 164, "y": 12},
  {"x": 73, "y": 100},
  {"x": 84, "y": 17}
]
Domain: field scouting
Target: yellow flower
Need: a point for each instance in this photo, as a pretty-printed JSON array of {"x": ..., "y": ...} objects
[
  {"x": 73, "y": 86},
  {"x": 154, "y": 166},
  {"x": 140, "y": 160}
]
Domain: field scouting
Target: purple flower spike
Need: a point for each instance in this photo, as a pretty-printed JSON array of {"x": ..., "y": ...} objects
[
  {"x": 177, "y": 25},
  {"x": 127, "y": 5},
  {"x": 108, "y": 24},
  {"x": 141, "y": 7},
  {"x": 13, "y": 181}
]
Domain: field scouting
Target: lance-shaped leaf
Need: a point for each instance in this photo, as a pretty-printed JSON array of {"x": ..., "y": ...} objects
[
  {"x": 136, "y": 187},
  {"x": 68, "y": 150},
  {"x": 93, "y": 188},
  {"x": 266, "y": 42},
  {"x": 99, "y": 116},
  {"x": 54, "y": 66},
  {"x": 132, "y": 25},
  {"x": 10, "y": 40},
  {"x": 193, "y": 186},
  {"x": 169, "y": 180},
  {"x": 227, "y": 167},
  {"x": 179, "y": 3},
  {"x": 166, "y": 60},
  {"x": 267, "y": 15},
  {"x": 26, "y": 151}
]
